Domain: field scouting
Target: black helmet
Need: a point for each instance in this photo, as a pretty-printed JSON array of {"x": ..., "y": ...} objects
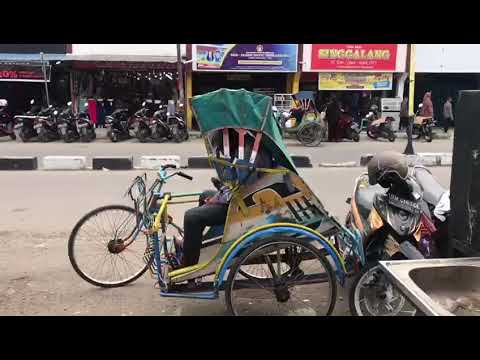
[{"x": 386, "y": 167}]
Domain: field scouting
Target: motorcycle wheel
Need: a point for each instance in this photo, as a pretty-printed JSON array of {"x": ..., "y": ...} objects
[
  {"x": 113, "y": 137},
  {"x": 42, "y": 137},
  {"x": 429, "y": 135},
  {"x": 371, "y": 294},
  {"x": 356, "y": 138},
  {"x": 416, "y": 133},
  {"x": 371, "y": 135},
  {"x": 24, "y": 137},
  {"x": 391, "y": 137},
  {"x": 142, "y": 135},
  {"x": 13, "y": 136},
  {"x": 68, "y": 138}
]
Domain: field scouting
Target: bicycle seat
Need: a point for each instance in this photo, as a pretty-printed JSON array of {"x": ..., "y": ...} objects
[{"x": 432, "y": 190}]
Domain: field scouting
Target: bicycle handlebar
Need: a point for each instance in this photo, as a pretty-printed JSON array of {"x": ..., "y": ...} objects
[{"x": 182, "y": 174}]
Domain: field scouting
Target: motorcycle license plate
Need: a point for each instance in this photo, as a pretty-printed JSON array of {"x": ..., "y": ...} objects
[
  {"x": 404, "y": 204},
  {"x": 37, "y": 126}
]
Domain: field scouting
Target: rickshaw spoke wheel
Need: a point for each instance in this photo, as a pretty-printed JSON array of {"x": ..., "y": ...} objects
[
  {"x": 105, "y": 248},
  {"x": 291, "y": 278}
]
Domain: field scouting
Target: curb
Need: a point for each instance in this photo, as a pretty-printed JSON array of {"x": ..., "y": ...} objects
[
  {"x": 154, "y": 162},
  {"x": 112, "y": 163},
  {"x": 425, "y": 159},
  {"x": 201, "y": 162},
  {"x": 18, "y": 163},
  {"x": 342, "y": 164},
  {"x": 64, "y": 163}
]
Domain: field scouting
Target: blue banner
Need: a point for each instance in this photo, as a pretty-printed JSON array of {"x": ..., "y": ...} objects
[{"x": 245, "y": 57}]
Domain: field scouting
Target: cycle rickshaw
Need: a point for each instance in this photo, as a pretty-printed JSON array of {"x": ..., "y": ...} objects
[
  {"x": 279, "y": 252},
  {"x": 312, "y": 128}
]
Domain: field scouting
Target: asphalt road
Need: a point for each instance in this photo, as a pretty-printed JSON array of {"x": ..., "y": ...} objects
[
  {"x": 39, "y": 210},
  {"x": 326, "y": 152}
]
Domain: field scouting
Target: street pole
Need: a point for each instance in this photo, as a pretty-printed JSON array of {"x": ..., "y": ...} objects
[
  {"x": 180, "y": 75},
  {"x": 409, "y": 150},
  {"x": 45, "y": 78}
]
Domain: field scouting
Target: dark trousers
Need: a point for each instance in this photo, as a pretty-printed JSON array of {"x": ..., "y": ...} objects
[
  {"x": 447, "y": 123},
  {"x": 332, "y": 131},
  {"x": 194, "y": 223}
]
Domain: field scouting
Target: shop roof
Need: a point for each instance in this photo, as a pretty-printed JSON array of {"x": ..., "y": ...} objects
[
  {"x": 30, "y": 57},
  {"x": 132, "y": 58}
]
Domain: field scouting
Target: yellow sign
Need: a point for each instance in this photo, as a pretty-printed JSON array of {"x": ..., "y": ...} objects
[{"x": 355, "y": 81}]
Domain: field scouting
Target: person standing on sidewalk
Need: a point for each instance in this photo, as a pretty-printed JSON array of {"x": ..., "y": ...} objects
[
  {"x": 404, "y": 113},
  {"x": 447, "y": 114},
  {"x": 332, "y": 115},
  {"x": 427, "y": 108}
]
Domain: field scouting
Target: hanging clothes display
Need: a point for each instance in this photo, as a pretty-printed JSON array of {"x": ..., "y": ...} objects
[
  {"x": 100, "y": 112},
  {"x": 92, "y": 110}
]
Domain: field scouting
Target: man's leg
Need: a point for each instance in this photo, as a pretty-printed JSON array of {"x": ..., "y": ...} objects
[
  {"x": 194, "y": 223},
  {"x": 446, "y": 124}
]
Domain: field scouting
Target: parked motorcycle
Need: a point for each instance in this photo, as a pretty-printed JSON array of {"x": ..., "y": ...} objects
[
  {"x": 150, "y": 126},
  {"x": 85, "y": 126},
  {"x": 73, "y": 128},
  {"x": 379, "y": 127},
  {"x": 347, "y": 128},
  {"x": 177, "y": 125},
  {"x": 29, "y": 125},
  {"x": 119, "y": 125},
  {"x": 422, "y": 126},
  {"x": 6, "y": 121},
  {"x": 387, "y": 208},
  {"x": 46, "y": 125}
]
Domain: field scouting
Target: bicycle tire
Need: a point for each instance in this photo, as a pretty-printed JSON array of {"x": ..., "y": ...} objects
[{"x": 71, "y": 254}]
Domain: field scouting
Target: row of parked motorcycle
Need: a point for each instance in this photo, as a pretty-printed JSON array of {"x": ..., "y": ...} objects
[
  {"x": 151, "y": 122},
  {"x": 312, "y": 128}
]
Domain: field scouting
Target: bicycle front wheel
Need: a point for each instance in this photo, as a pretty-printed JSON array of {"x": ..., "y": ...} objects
[{"x": 107, "y": 249}]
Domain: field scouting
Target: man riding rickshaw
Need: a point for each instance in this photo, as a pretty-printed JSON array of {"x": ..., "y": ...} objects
[{"x": 269, "y": 242}]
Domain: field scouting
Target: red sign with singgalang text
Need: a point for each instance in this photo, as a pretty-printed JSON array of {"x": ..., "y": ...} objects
[{"x": 353, "y": 57}]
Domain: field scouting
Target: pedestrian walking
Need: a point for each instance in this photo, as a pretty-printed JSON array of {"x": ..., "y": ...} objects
[
  {"x": 447, "y": 114},
  {"x": 427, "y": 108},
  {"x": 332, "y": 115},
  {"x": 404, "y": 113}
]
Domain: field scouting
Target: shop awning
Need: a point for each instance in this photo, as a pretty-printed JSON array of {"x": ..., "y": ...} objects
[
  {"x": 31, "y": 57},
  {"x": 123, "y": 62}
]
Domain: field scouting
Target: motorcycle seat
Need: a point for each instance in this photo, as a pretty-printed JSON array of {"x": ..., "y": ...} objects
[
  {"x": 432, "y": 190},
  {"x": 364, "y": 198}
]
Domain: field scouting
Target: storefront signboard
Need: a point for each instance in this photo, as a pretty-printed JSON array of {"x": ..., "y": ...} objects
[
  {"x": 11, "y": 71},
  {"x": 245, "y": 57},
  {"x": 355, "y": 81},
  {"x": 350, "y": 57}
]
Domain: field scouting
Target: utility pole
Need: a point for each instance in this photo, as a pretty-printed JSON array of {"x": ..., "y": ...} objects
[
  {"x": 180, "y": 75},
  {"x": 409, "y": 150},
  {"x": 44, "y": 69}
]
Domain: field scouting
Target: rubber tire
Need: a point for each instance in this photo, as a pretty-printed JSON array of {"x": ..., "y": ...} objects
[
  {"x": 318, "y": 136},
  {"x": 68, "y": 138},
  {"x": 238, "y": 262},
  {"x": 13, "y": 136},
  {"x": 356, "y": 138},
  {"x": 113, "y": 137},
  {"x": 429, "y": 135},
  {"x": 391, "y": 137},
  {"x": 23, "y": 137},
  {"x": 142, "y": 135},
  {"x": 71, "y": 241},
  {"x": 371, "y": 136}
]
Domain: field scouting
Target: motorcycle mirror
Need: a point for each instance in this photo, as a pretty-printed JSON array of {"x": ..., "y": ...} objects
[{"x": 69, "y": 103}]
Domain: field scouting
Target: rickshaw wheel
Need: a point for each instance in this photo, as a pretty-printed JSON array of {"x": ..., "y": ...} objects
[
  {"x": 98, "y": 250},
  {"x": 307, "y": 288},
  {"x": 310, "y": 134}
]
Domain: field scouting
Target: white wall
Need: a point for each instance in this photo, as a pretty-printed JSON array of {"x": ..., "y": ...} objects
[
  {"x": 127, "y": 49},
  {"x": 449, "y": 58}
]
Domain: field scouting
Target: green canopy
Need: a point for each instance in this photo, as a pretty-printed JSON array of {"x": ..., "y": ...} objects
[{"x": 225, "y": 108}]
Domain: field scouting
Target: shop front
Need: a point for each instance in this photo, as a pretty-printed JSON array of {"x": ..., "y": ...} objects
[
  {"x": 262, "y": 68},
  {"x": 107, "y": 84},
  {"x": 358, "y": 75},
  {"x": 23, "y": 76}
]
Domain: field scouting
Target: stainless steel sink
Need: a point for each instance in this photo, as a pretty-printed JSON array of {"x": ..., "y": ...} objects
[{"x": 439, "y": 287}]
